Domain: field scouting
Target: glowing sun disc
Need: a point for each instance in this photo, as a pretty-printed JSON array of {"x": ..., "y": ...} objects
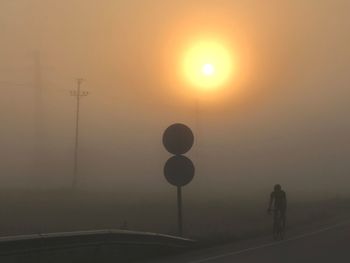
[
  {"x": 207, "y": 64},
  {"x": 208, "y": 69}
]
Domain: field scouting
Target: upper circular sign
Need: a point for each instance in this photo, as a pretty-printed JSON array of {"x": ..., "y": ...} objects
[
  {"x": 179, "y": 170},
  {"x": 178, "y": 139}
]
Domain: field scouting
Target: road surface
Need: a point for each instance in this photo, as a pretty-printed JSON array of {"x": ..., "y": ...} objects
[{"x": 329, "y": 243}]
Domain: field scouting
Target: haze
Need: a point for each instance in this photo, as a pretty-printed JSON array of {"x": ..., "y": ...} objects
[{"x": 283, "y": 118}]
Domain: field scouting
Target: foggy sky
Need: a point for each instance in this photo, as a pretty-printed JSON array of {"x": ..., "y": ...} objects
[{"x": 283, "y": 119}]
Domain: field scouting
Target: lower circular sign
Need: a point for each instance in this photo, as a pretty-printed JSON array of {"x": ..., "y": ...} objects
[{"x": 179, "y": 170}]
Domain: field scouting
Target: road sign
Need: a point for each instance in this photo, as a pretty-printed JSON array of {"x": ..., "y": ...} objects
[
  {"x": 178, "y": 139},
  {"x": 179, "y": 170}
]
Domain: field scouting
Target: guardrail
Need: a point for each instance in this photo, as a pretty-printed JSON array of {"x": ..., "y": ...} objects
[{"x": 89, "y": 246}]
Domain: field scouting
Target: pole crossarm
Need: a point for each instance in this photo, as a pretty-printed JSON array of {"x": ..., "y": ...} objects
[{"x": 78, "y": 92}]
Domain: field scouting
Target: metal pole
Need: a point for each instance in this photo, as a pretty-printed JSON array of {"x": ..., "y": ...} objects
[
  {"x": 39, "y": 90},
  {"x": 75, "y": 179},
  {"x": 39, "y": 116},
  {"x": 179, "y": 210}
]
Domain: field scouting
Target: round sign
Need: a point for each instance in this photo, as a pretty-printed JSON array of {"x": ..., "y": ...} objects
[
  {"x": 178, "y": 139},
  {"x": 179, "y": 170}
]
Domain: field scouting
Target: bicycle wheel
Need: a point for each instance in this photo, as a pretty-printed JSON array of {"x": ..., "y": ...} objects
[
  {"x": 276, "y": 230},
  {"x": 282, "y": 231}
]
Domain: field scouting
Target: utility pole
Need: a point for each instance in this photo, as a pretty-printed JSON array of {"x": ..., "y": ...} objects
[
  {"x": 78, "y": 94},
  {"x": 39, "y": 116}
]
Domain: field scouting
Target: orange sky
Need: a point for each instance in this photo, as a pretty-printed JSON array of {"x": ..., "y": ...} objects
[{"x": 282, "y": 118}]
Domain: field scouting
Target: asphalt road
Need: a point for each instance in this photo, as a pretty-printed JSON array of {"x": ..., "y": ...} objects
[{"x": 329, "y": 243}]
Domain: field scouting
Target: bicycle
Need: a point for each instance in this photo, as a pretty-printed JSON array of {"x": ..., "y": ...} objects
[{"x": 278, "y": 229}]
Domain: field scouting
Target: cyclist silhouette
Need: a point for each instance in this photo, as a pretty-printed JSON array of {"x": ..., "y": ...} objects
[{"x": 279, "y": 200}]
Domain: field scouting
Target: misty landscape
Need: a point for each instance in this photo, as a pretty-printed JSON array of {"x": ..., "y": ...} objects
[{"x": 280, "y": 118}]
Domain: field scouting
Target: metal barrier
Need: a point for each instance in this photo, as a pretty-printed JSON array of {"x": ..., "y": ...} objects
[{"x": 89, "y": 246}]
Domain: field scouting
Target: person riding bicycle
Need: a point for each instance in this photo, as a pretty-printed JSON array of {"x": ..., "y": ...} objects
[{"x": 279, "y": 200}]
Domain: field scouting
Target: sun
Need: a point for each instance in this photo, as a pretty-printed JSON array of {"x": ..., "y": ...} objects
[
  {"x": 208, "y": 69},
  {"x": 207, "y": 65}
]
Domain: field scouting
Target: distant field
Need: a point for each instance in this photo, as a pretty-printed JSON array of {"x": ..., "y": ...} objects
[{"x": 25, "y": 212}]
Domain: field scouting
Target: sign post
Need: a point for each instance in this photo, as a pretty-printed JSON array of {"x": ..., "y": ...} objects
[
  {"x": 178, "y": 170},
  {"x": 179, "y": 210}
]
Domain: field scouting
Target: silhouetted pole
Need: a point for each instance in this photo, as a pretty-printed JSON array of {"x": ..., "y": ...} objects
[
  {"x": 179, "y": 210},
  {"x": 76, "y": 135},
  {"x": 38, "y": 115},
  {"x": 77, "y": 94},
  {"x": 197, "y": 125},
  {"x": 39, "y": 91}
]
